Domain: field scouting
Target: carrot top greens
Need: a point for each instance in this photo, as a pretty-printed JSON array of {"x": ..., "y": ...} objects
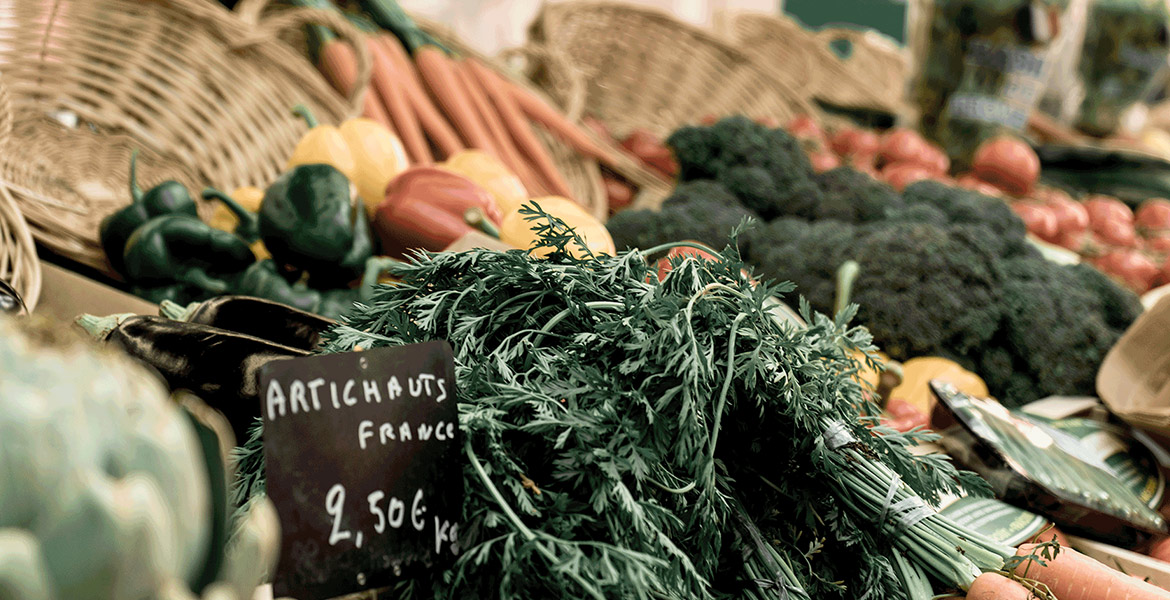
[{"x": 634, "y": 438}]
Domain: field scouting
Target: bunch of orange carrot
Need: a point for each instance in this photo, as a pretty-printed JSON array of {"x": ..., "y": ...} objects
[{"x": 439, "y": 104}]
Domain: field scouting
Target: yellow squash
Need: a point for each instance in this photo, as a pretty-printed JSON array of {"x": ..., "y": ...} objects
[
  {"x": 516, "y": 231},
  {"x": 249, "y": 198},
  {"x": 502, "y": 184},
  {"x": 916, "y": 376},
  {"x": 364, "y": 150}
]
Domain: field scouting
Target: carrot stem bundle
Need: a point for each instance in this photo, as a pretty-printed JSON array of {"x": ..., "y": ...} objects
[
  {"x": 527, "y": 142},
  {"x": 432, "y": 122},
  {"x": 386, "y": 81}
]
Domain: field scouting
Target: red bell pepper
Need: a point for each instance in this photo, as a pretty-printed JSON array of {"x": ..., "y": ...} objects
[{"x": 424, "y": 208}]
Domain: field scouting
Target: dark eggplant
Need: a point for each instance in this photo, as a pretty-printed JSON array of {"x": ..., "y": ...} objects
[
  {"x": 258, "y": 317},
  {"x": 218, "y": 366}
]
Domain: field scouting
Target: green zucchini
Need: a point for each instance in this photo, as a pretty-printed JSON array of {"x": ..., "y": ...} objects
[{"x": 1130, "y": 176}]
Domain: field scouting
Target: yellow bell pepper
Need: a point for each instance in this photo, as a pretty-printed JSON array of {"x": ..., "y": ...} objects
[
  {"x": 223, "y": 218},
  {"x": 503, "y": 185},
  {"x": 364, "y": 150},
  {"x": 516, "y": 231},
  {"x": 918, "y": 372}
]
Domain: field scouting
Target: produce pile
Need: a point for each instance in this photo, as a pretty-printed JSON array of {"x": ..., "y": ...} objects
[
  {"x": 322, "y": 234},
  {"x": 622, "y": 433},
  {"x": 944, "y": 271},
  {"x": 1133, "y": 248},
  {"x": 440, "y": 103}
]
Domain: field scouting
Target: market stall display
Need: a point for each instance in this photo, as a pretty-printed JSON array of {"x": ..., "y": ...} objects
[
  {"x": 634, "y": 311},
  {"x": 944, "y": 271}
]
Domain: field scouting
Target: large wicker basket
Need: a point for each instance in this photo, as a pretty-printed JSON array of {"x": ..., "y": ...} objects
[
  {"x": 19, "y": 266},
  {"x": 204, "y": 94},
  {"x": 645, "y": 69},
  {"x": 871, "y": 75}
]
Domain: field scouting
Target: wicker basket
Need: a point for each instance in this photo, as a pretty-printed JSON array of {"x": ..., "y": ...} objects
[
  {"x": 645, "y": 69},
  {"x": 19, "y": 265},
  {"x": 872, "y": 76},
  {"x": 204, "y": 94}
]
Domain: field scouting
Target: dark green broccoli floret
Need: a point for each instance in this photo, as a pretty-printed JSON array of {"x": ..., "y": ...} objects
[
  {"x": 1055, "y": 330},
  {"x": 701, "y": 210},
  {"x": 765, "y": 168},
  {"x": 1119, "y": 305},
  {"x": 917, "y": 213},
  {"x": 852, "y": 196},
  {"x": 926, "y": 290},
  {"x": 807, "y": 254},
  {"x": 962, "y": 206}
]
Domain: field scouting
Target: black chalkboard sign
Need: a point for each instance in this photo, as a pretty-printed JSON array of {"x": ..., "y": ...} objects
[{"x": 364, "y": 465}]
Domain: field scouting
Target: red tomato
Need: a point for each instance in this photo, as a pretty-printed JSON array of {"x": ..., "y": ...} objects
[
  {"x": 904, "y": 416},
  {"x": 900, "y": 175},
  {"x": 1160, "y": 549},
  {"x": 823, "y": 161},
  {"x": 1165, "y": 276},
  {"x": 937, "y": 159},
  {"x": 850, "y": 141},
  {"x": 665, "y": 267},
  {"x": 1131, "y": 267},
  {"x": 1071, "y": 216},
  {"x": 973, "y": 183},
  {"x": 1116, "y": 233},
  {"x": 1158, "y": 242},
  {"x": 619, "y": 193},
  {"x": 804, "y": 128},
  {"x": 1153, "y": 215},
  {"x": 1039, "y": 219},
  {"x": 901, "y": 145},
  {"x": 651, "y": 151},
  {"x": 1106, "y": 208},
  {"x": 1009, "y": 163}
]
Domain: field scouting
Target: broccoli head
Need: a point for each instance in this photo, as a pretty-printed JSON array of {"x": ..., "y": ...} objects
[
  {"x": 1055, "y": 329},
  {"x": 807, "y": 254},
  {"x": 700, "y": 210},
  {"x": 917, "y": 213},
  {"x": 765, "y": 168},
  {"x": 852, "y": 196},
  {"x": 1118, "y": 305},
  {"x": 926, "y": 290},
  {"x": 962, "y": 206}
]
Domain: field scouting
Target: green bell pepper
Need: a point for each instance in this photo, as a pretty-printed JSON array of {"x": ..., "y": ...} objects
[
  {"x": 182, "y": 249},
  {"x": 310, "y": 220},
  {"x": 167, "y": 198}
]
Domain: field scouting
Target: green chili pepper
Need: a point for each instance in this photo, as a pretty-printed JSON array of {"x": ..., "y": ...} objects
[
  {"x": 264, "y": 280},
  {"x": 310, "y": 220},
  {"x": 249, "y": 226},
  {"x": 182, "y": 249},
  {"x": 169, "y": 197}
]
